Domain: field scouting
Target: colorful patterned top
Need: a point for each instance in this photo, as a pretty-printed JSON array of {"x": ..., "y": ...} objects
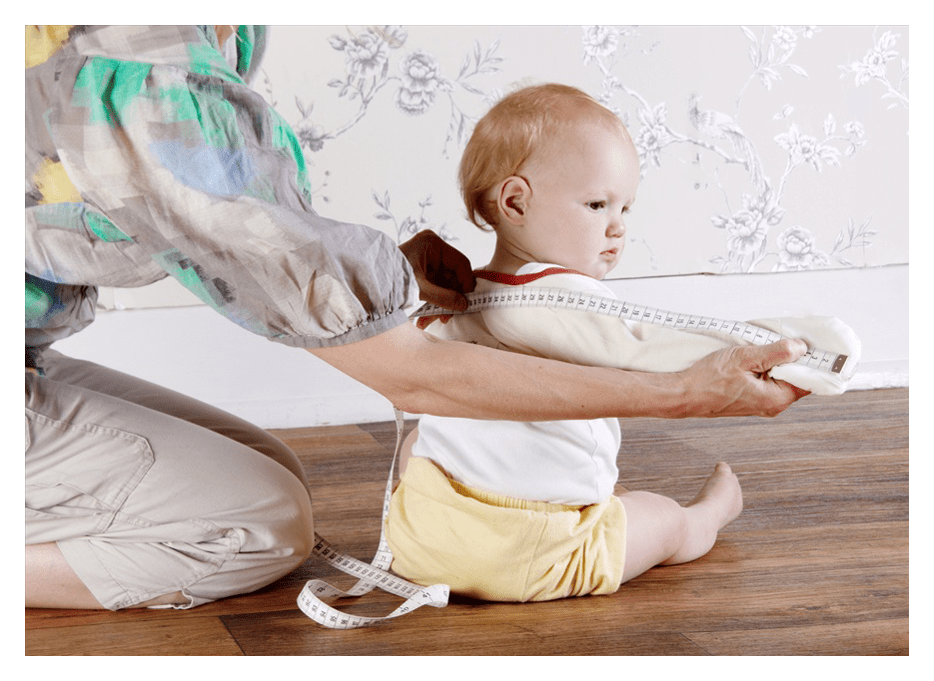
[{"x": 147, "y": 155}]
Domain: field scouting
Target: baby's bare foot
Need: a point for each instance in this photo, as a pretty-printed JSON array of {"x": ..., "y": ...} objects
[
  {"x": 721, "y": 496},
  {"x": 719, "y": 501}
]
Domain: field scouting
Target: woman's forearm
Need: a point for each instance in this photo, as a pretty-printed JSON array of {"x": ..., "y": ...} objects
[{"x": 420, "y": 374}]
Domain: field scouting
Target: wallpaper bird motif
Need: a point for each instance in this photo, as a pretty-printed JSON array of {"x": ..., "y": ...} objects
[{"x": 763, "y": 149}]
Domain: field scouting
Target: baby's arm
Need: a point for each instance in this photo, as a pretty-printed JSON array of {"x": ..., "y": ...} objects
[
  {"x": 597, "y": 340},
  {"x": 600, "y": 340}
]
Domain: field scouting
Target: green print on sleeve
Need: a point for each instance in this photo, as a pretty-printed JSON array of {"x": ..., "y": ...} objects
[{"x": 107, "y": 87}]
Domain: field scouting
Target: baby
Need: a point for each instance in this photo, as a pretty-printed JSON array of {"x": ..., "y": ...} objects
[{"x": 514, "y": 511}]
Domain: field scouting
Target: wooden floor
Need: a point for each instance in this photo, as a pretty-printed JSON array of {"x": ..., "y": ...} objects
[{"x": 817, "y": 564}]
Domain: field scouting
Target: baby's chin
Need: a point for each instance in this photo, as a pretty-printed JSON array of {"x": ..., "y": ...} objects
[
  {"x": 597, "y": 272},
  {"x": 600, "y": 270}
]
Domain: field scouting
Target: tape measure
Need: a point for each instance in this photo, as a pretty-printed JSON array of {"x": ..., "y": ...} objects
[
  {"x": 371, "y": 575},
  {"x": 564, "y": 299},
  {"x": 376, "y": 573}
]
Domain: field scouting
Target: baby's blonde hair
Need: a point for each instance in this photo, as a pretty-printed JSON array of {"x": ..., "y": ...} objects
[{"x": 510, "y": 133}]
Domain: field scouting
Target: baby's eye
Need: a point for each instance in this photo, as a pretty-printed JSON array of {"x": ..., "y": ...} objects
[{"x": 596, "y": 205}]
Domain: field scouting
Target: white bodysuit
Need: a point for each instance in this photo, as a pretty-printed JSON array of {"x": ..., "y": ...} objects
[{"x": 574, "y": 462}]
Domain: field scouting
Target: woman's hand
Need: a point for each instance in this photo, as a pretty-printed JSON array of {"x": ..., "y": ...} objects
[
  {"x": 443, "y": 273},
  {"x": 736, "y": 382}
]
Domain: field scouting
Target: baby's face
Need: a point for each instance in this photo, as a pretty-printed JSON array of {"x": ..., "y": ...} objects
[{"x": 582, "y": 186}]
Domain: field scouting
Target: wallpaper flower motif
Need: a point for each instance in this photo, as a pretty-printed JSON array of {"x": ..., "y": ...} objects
[
  {"x": 768, "y": 166},
  {"x": 769, "y": 56},
  {"x": 875, "y": 66},
  {"x": 747, "y": 231},
  {"x": 368, "y": 55}
]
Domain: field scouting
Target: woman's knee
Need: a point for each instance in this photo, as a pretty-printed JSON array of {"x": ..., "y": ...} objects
[
  {"x": 286, "y": 522},
  {"x": 270, "y": 544}
]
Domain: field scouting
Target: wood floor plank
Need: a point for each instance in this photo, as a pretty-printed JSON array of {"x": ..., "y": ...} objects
[
  {"x": 485, "y": 632},
  {"x": 879, "y": 637},
  {"x": 816, "y": 564},
  {"x": 131, "y": 636}
]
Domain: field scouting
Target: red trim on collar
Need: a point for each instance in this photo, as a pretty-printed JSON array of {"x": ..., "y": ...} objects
[{"x": 521, "y": 279}]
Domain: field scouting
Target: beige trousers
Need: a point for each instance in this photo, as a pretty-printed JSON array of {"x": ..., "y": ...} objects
[{"x": 148, "y": 492}]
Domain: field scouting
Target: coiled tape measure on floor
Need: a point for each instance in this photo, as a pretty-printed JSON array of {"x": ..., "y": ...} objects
[
  {"x": 530, "y": 296},
  {"x": 376, "y": 574},
  {"x": 371, "y": 575}
]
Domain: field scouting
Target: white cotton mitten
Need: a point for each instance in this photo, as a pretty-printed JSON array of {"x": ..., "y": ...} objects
[{"x": 824, "y": 333}]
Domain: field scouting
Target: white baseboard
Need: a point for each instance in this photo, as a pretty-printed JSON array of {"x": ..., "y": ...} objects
[{"x": 880, "y": 375}]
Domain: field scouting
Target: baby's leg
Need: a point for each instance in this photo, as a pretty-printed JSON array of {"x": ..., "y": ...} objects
[{"x": 661, "y": 532}]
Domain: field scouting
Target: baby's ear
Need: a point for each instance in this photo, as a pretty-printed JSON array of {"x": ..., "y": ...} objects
[{"x": 514, "y": 194}]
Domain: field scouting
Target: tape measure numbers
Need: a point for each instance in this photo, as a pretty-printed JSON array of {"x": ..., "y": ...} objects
[
  {"x": 564, "y": 299},
  {"x": 309, "y": 600},
  {"x": 370, "y": 575}
]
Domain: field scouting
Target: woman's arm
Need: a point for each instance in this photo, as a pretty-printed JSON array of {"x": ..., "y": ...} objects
[{"x": 423, "y": 375}]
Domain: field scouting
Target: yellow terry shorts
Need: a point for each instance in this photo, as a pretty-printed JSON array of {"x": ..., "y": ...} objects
[{"x": 500, "y": 548}]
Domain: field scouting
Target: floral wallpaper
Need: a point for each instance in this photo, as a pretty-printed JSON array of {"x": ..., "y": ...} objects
[{"x": 763, "y": 149}]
